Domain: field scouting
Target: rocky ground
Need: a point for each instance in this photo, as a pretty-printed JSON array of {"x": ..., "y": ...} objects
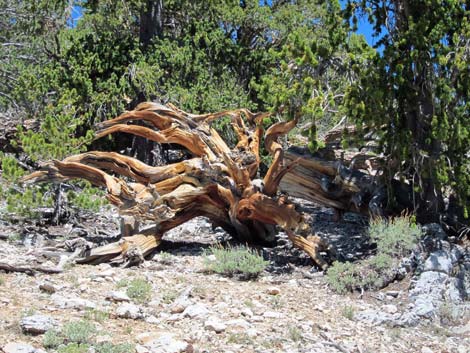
[{"x": 288, "y": 309}]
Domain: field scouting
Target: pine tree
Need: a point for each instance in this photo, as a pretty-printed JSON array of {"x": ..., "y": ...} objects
[{"x": 418, "y": 88}]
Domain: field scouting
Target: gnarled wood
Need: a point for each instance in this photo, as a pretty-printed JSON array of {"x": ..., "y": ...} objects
[{"x": 219, "y": 183}]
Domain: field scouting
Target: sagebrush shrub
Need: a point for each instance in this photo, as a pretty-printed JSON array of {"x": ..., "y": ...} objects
[
  {"x": 231, "y": 261},
  {"x": 74, "y": 348},
  {"x": 52, "y": 339},
  {"x": 395, "y": 239},
  {"x": 343, "y": 277},
  {"x": 140, "y": 290},
  {"x": 79, "y": 331}
]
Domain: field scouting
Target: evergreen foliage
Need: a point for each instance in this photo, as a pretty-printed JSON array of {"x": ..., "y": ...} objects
[
  {"x": 207, "y": 56},
  {"x": 299, "y": 59},
  {"x": 312, "y": 71},
  {"x": 417, "y": 92}
]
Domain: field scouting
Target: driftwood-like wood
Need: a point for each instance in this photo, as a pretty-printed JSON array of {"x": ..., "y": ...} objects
[
  {"x": 332, "y": 184},
  {"x": 218, "y": 182},
  {"x": 28, "y": 269}
]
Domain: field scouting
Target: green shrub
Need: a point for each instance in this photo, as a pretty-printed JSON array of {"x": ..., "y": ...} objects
[
  {"x": 79, "y": 331},
  {"x": 169, "y": 296},
  {"x": 89, "y": 198},
  {"x": 140, "y": 290},
  {"x": 395, "y": 237},
  {"x": 52, "y": 339},
  {"x": 11, "y": 170},
  {"x": 74, "y": 348},
  {"x": 107, "y": 347},
  {"x": 122, "y": 283},
  {"x": 166, "y": 258},
  {"x": 26, "y": 201},
  {"x": 231, "y": 261},
  {"x": 96, "y": 315},
  {"x": 19, "y": 201},
  {"x": 295, "y": 334},
  {"x": 343, "y": 277},
  {"x": 348, "y": 312},
  {"x": 381, "y": 262},
  {"x": 14, "y": 238}
]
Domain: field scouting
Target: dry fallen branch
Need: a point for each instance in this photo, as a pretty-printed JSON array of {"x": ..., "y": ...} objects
[{"x": 28, "y": 269}]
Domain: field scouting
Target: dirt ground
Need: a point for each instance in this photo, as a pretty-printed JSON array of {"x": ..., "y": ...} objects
[{"x": 288, "y": 309}]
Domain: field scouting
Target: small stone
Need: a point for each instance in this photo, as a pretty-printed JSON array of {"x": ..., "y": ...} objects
[
  {"x": 72, "y": 302},
  {"x": 390, "y": 308},
  {"x": 107, "y": 273},
  {"x": 393, "y": 293},
  {"x": 213, "y": 324},
  {"x": 18, "y": 347},
  {"x": 211, "y": 258},
  {"x": 272, "y": 315},
  {"x": 182, "y": 302},
  {"x": 155, "y": 303},
  {"x": 196, "y": 311},
  {"x": 222, "y": 306},
  {"x": 177, "y": 308},
  {"x": 37, "y": 324},
  {"x": 129, "y": 311},
  {"x": 104, "y": 266},
  {"x": 173, "y": 317},
  {"x": 145, "y": 337},
  {"x": 238, "y": 324},
  {"x": 408, "y": 319},
  {"x": 252, "y": 332},
  {"x": 273, "y": 291},
  {"x": 247, "y": 312},
  {"x": 373, "y": 317},
  {"x": 424, "y": 307},
  {"x": 47, "y": 287},
  {"x": 439, "y": 261},
  {"x": 141, "y": 349},
  {"x": 426, "y": 350},
  {"x": 152, "y": 320},
  {"x": 165, "y": 343},
  {"x": 117, "y": 296},
  {"x": 462, "y": 330}
]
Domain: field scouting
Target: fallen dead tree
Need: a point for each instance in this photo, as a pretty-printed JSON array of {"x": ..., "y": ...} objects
[{"x": 218, "y": 182}]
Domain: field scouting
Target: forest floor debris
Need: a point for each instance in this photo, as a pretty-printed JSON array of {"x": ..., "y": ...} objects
[{"x": 289, "y": 308}]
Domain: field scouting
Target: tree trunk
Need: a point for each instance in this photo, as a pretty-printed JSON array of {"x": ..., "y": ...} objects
[{"x": 151, "y": 21}]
